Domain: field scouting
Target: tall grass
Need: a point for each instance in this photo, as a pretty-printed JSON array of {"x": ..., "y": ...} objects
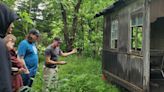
[
  {"x": 80, "y": 74},
  {"x": 38, "y": 80}
]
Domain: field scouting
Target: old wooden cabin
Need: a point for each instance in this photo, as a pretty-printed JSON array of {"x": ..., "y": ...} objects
[{"x": 133, "y": 44}]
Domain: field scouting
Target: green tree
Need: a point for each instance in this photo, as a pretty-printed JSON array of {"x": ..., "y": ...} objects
[{"x": 72, "y": 20}]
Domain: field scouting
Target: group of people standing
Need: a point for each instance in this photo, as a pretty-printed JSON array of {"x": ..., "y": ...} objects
[{"x": 18, "y": 67}]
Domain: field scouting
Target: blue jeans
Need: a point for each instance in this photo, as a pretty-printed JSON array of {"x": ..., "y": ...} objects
[{"x": 27, "y": 79}]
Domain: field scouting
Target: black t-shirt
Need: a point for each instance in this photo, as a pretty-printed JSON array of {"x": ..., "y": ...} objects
[{"x": 54, "y": 54}]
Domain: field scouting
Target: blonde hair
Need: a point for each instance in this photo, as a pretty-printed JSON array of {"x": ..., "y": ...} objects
[{"x": 9, "y": 37}]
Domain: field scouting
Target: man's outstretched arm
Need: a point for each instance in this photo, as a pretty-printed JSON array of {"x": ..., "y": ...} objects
[{"x": 68, "y": 53}]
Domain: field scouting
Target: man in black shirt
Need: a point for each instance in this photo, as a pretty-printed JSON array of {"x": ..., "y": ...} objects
[
  {"x": 6, "y": 18},
  {"x": 52, "y": 53}
]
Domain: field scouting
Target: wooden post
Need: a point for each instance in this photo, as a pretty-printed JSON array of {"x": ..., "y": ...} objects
[{"x": 146, "y": 47}]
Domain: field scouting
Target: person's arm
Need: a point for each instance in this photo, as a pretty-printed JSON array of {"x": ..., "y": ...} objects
[
  {"x": 24, "y": 64},
  {"x": 49, "y": 61},
  {"x": 21, "y": 53},
  {"x": 68, "y": 53}
]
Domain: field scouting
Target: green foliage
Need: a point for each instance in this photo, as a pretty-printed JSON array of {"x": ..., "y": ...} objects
[
  {"x": 82, "y": 75},
  {"x": 38, "y": 81},
  {"x": 8, "y": 2},
  {"x": 87, "y": 35},
  {"x": 26, "y": 21},
  {"x": 22, "y": 26},
  {"x": 90, "y": 30}
]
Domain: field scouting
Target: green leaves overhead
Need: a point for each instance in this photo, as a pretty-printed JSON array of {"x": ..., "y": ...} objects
[
  {"x": 72, "y": 20},
  {"x": 26, "y": 17}
]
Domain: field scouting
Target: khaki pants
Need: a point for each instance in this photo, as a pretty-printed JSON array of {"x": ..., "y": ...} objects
[{"x": 50, "y": 79}]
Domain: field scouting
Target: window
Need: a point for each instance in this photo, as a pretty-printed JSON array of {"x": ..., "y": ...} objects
[
  {"x": 136, "y": 32},
  {"x": 114, "y": 34}
]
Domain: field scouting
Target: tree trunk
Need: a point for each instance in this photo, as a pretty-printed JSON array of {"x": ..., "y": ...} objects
[
  {"x": 69, "y": 39},
  {"x": 65, "y": 29},
  {"x": 74, "y": 24}
]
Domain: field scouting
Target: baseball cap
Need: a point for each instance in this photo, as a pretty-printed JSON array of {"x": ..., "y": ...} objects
[
  {"x": 58, "y": 39},
  {"x": 34, "y": 32}
]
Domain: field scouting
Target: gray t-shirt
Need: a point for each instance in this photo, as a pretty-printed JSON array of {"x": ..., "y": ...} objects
[{"x": 53, "y": 53}]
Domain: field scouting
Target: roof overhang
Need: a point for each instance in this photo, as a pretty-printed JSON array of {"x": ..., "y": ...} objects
[{"x": 116, "y": 6}]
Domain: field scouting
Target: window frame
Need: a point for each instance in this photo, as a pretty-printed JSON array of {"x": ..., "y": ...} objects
[
  {"x": 137, "y": 16},
  {"x": 115, "y": 23}
]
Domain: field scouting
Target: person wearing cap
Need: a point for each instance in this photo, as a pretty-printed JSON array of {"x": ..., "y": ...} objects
[
  {"x": 52, "y": 53},
  {"x": 28, "y": 53},
  {"x": 7, "y": 17}
]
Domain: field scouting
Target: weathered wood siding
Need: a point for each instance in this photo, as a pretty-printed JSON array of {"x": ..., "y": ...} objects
[
  {"x": 106, "y": 34},
  {"x": 122, "y": 62}
]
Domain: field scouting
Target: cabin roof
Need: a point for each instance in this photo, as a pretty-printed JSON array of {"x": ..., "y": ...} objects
[{"x": 117, "y": 5}]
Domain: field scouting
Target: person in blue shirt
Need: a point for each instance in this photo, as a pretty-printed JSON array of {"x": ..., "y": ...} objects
[{"x": 28, "y": 53}]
